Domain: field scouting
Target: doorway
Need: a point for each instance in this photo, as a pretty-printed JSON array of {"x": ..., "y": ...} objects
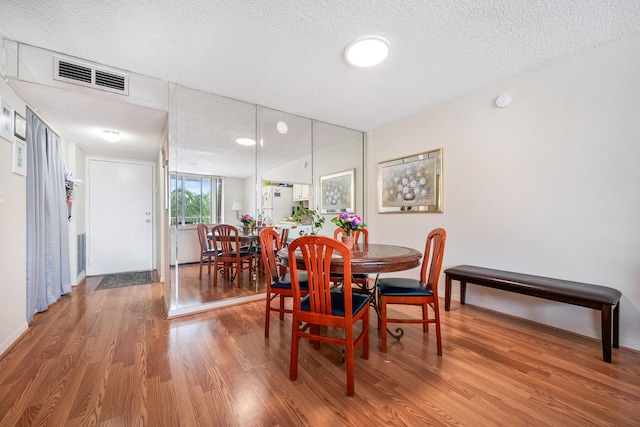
[{"x": 120, "y": 215}]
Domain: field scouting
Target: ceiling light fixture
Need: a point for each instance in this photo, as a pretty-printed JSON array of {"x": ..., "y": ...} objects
[
  {"x": 282, "y": 127},
  {"x": 246, "y": 141},
  {"x": 367, "y": 51},
  {"x": 111, "y": 135}
]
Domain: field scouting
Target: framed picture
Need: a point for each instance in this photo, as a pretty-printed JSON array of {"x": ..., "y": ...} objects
[
  {"x": 19, "y": 158},
  {"x": 411, "y": 184},
  {"x": 6, "y": 122},
  {"x": 337, "y": 192},
  {"x": 20, "y": 125}
]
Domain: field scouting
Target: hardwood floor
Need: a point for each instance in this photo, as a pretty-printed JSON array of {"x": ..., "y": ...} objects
[
  {"x": 194, "y": 291},
  {"x": 109, "y": 357}
]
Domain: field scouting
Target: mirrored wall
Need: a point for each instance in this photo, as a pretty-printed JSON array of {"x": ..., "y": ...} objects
[{"x": 228, "y": 158}]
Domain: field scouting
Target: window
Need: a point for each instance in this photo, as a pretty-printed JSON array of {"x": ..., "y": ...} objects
[{"x": 195, "y": 198}]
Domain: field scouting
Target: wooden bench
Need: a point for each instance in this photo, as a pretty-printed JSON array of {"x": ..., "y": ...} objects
[{"x": 602, "y": 298}]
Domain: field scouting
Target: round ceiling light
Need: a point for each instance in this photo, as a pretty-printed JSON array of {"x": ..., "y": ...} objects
[
  {"x": 111, "y": 135},
  {"x": 282, "y": 127},
  {"x": 367, "y": 51},
  {"x": 246, "y": 141}
]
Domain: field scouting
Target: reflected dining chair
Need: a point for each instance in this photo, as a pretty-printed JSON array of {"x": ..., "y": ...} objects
[
  {"x": 359, "y": 278},
  {"x": 231, "y": 255},
  {"x": 422, "y": 292},
  {"x": 207, "y": 251},
  {"x": 278, "y": 281},
  {"x": 324, "y": 305}
]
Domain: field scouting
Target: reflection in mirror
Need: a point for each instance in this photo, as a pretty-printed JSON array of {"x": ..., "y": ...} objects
[
  {"x": 210, "y": 172},
  {"x": 338, "y": 159},
  {"x": 284, "y": 165},
  {"x": 214, "y": 180}
]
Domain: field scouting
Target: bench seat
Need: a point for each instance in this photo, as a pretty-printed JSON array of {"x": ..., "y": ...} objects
[{"x": 596, "y": 297}]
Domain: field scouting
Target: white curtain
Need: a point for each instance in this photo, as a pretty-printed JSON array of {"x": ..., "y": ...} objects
[{"x": 48, "y": 271}]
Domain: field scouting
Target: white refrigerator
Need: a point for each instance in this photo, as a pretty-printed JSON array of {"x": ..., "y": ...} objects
[{"x": 277, "y": 203}]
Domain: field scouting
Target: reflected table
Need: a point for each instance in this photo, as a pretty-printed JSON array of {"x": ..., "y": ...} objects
[{"x": 369, "y": 259}]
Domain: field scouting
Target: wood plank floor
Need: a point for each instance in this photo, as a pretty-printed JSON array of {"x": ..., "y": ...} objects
[
  {"x": 109, "y": 357},
  {"x": 193, "y": 290}
]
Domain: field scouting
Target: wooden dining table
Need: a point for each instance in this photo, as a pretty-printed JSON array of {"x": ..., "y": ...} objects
[
  {"x": 372, "y": 258},
  {"x": 368, "y": 259}
]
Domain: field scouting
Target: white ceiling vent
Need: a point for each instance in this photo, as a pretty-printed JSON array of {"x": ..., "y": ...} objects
[{"x": 91, "y": 76}]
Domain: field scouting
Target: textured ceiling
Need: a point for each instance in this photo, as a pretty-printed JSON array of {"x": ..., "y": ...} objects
[{"x": 288, "y": 55}]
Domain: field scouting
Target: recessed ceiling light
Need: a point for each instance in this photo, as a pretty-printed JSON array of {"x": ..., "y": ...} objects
[
  {"x": 246, "y": 141},
  {"x": 282, "y": 127},
  {"x": 111, "y": 135},
  {"x": 367, "y": 51}
]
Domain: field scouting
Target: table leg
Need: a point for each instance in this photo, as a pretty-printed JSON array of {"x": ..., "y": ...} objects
[{"x": 374, "y": 303}]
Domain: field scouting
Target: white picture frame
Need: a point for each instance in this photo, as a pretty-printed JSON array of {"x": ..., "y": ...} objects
[
  {"x": 19, "y": 158},
  {"x": 6, "y": 122}
]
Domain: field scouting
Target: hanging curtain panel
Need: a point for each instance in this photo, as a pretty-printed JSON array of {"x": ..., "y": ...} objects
[{"x": 48, "y": 271}]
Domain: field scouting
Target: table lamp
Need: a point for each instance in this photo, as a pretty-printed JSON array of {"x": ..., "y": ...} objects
[{"x": 236, "y": 206}]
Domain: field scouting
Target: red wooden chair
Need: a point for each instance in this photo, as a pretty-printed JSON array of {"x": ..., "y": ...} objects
[
  {"x": 207, "y": 251},
  {"x": 359, "y": 278},
  {"x": 231, "y": 256},
  {"x": 324, "y": 306},
  {"x": 278, "y": 281},
  {"x": 423, "y": 292}
]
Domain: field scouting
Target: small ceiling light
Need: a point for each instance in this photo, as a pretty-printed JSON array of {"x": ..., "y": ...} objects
[
  {"x": 282, "y": 127},
  {"x": 367, "y": 51},
  {"x": 111, "y": 135},
  {"x": 246, "y": 141}
]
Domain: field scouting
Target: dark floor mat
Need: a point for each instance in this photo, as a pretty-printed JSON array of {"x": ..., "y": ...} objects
[{"x": 120, "y": 280}]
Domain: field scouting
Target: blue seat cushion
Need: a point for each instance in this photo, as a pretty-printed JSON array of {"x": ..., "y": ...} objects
[
  {"x": 399, "y": 286},
  {"x": 358, "y": 302},
  {"x": 284, "y": 282}
]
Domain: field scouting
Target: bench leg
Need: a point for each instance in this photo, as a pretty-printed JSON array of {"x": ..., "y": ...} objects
[
  {"x": 463, "y": 291},
  {"x": 447, "y": 292},
  {"x": 616, "y": 325},
  {"x": 606, "y": 332}
]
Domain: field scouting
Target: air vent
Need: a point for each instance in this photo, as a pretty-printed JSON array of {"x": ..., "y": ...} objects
[{"x": 90, "y": 76}]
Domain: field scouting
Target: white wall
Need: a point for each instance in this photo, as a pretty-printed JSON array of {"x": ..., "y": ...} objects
[
  {"x": 13, "y": 219},
  {"x": 547, "y": 186}
]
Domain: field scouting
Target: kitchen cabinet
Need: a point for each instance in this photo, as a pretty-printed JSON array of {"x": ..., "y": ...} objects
[{"x": 301, "y": 192}]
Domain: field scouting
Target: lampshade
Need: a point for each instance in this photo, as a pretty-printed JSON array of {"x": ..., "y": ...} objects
[{"x": 236, "y": 206}]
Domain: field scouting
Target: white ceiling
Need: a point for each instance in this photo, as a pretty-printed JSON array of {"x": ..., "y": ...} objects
[{"x": 288, "y": 55}]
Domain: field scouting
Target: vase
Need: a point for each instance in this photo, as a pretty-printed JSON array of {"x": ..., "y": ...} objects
[
  {"x": 348, "y": 241},
  {"x": 245, "y": 230}
]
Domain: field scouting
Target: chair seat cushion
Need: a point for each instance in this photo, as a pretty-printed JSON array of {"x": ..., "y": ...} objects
[
  {"x": 399, "y": 286},
  {"x": 358, "y": 302},
  {"x": 284, "y": 282},
  {"x": 210, "y": 252}
]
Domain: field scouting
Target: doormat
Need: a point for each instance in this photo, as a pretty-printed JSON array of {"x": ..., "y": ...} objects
[{"x": 120, "y": 280}]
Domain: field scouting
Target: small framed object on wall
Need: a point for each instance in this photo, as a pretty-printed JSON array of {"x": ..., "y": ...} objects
[
  {"x": 411, "y": 184},
  {"x": 6, "y": 122},
  {"x": 20, "y": 125},
  {"x": 337, "y": 192},
  {"x": 19, "y": 158}
]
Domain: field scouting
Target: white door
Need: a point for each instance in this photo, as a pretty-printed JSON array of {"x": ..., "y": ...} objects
[{"x": 120, "y": 235}]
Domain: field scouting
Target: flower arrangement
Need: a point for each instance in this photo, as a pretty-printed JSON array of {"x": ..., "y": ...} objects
[
  {"x": 247, "y": 220},
  {"x": 348, "y": 222}
]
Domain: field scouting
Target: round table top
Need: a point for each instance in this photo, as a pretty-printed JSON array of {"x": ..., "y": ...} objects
[
  {"x": 371, "y": 258},
  {"x": 243, "y": 238}
]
